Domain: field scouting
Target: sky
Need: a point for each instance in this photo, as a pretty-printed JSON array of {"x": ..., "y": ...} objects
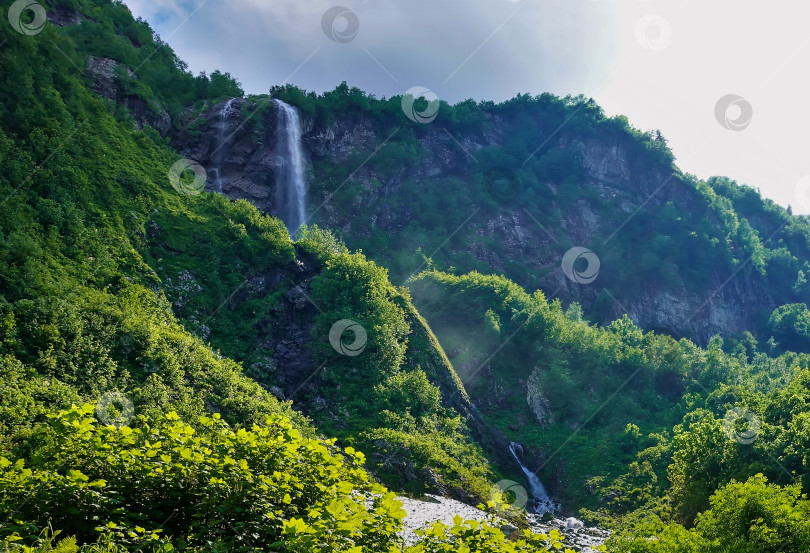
[{"x": 727, "y": 82}]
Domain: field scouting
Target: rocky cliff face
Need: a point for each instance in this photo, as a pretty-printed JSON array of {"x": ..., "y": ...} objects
[
  {"x": 246, "y": 162},
  {"x": 108, "y": 79},
  {"x": 238, "y": 148}
]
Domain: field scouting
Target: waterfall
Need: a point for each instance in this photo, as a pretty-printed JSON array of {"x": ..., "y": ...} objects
[
  {"x": 291, "y": 187},
  {"x": 219, "y": 153},
  {"x": 542, "y": 502}
]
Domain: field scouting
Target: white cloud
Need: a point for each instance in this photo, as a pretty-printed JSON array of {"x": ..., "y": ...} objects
[{"x": 756, "y": 50}]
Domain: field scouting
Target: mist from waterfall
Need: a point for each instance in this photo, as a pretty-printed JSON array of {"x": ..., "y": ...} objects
[
  {"x": 542, "y": 502},
  {"x": 291, "y": 186},
  {"x": 219, "y": 155}
]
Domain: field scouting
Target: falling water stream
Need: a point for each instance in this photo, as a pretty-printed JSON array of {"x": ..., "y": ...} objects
[
  {"x": 219, "y": 155},
  {"x": 291, "y": 188}
]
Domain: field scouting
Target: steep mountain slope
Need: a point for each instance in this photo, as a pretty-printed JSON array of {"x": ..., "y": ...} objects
[
  {"x": 81, "y": 316},
  {"x": 102, "y": 246},
  {"x": 509, "y": 188}
]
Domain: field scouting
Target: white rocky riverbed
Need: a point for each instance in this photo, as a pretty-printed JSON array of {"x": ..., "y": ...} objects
[{"x": 421, "y": 513}]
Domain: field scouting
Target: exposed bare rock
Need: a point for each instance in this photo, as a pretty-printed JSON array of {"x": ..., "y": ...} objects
[
  {"x": 421, "y": 513},
  {"x": 237, "y": 147},
  {"x": 341, "y": 138},
  {"x": 102, "y": 73},
  {"x": 538, "y": 403},
  {"x": 63, "y": 16},
  {"x": 107, "y": 78}
]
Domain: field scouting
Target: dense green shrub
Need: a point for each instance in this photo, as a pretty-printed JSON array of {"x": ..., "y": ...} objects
[
  {"x": 160, "y": 484},
  {"x": 160, "y": 481},
  {"x": 790, "y": 326},
  {"x": 472, "y": 537},
  {"x": 744, "y": 517}
]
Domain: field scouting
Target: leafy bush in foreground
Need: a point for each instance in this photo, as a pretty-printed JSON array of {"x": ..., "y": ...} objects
[
  {"x": 163, "y": 485},
  {"x": 472, "y": 536},
  {"x": 162, "y": 482}
]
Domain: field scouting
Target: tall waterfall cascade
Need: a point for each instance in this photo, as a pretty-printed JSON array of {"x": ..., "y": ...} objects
[
  {"x": 542, "y": 503},
  {"x": 291, "y": 185},
  {"x": 219, "y": 154}
]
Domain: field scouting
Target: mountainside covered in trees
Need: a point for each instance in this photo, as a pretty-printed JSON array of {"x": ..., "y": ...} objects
[{"x": 170, "y": 376}]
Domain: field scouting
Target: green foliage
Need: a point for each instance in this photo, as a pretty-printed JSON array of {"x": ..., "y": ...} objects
[
  {"x": 164, "y": 485},
  {"x": 744, "y": 432},
  {"x": 530, "y": 327},
  {"x": 320, "y": 243},
  {"x": 104, "y": 269},
  {"x": 409, "y": 394},
  {"x": 480, "y": 537},
  {"x": 163, "y": 481},
  {"x": 56, "y": 352},
  {"x": 107, "y": 29},
  {"x": 217, "y": 246},
  {"x": 390, "y": 393},
  {"x": 650, "y": 412},
  {"x": 790, "y": 326},
  {"x": 744, "y": 517},
  {"x": 349, "y": 287}
]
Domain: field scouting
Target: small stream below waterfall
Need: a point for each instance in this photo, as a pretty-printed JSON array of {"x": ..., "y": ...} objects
[
  {"x": 421, "y": 513},
  {"x": 291, "y": 185},
  {"x": 541, "y": 501},
  {"x": 577, "y": 536}
]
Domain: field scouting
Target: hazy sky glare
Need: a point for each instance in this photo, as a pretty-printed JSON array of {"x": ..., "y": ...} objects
[{"x": 663, "y": 63}]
